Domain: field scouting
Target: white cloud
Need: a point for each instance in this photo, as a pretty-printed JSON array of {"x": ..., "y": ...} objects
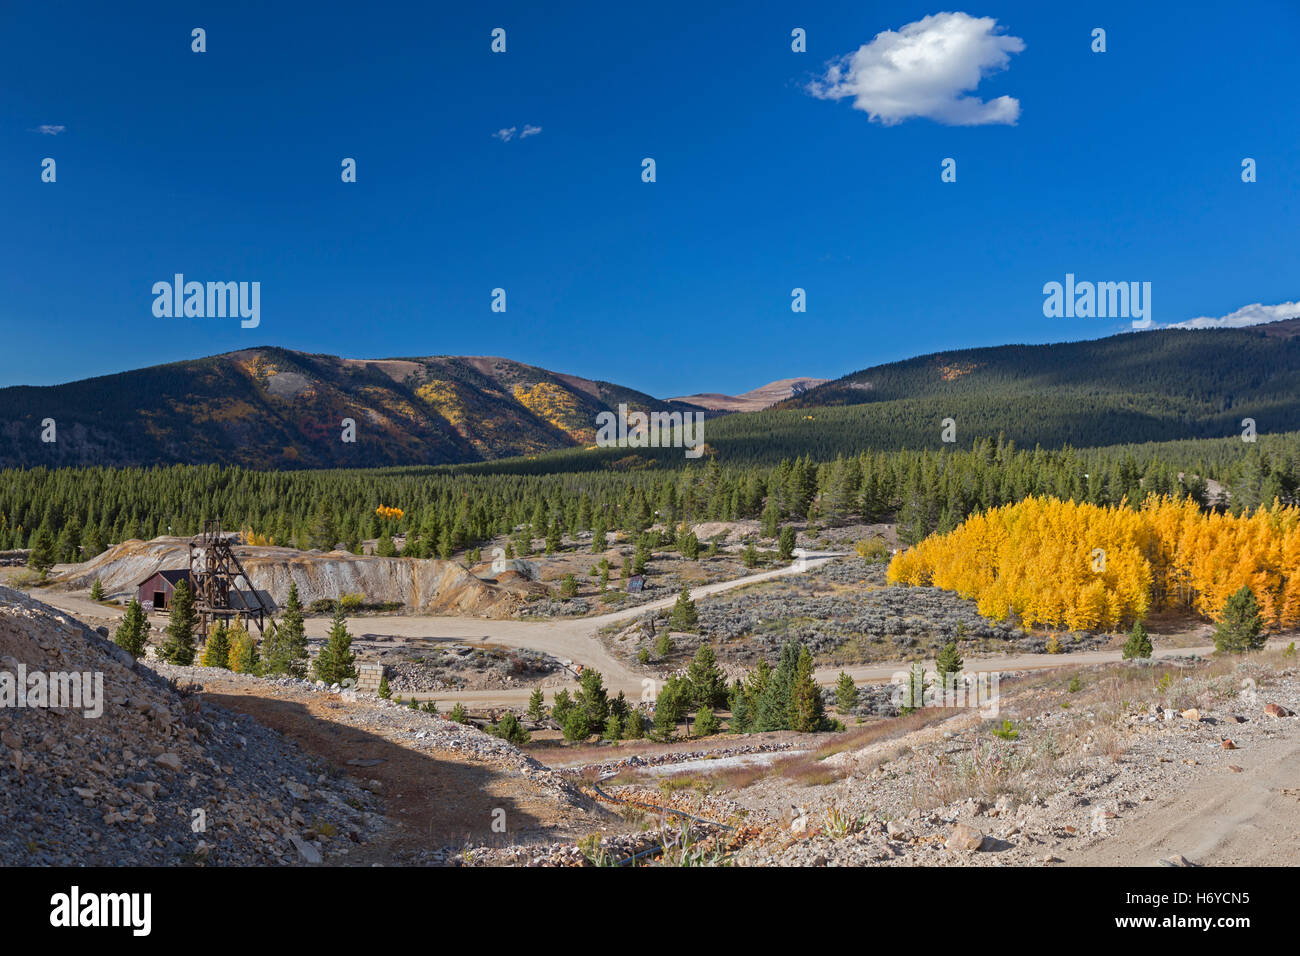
[
  {"x": 507, "y": 134},
  {"x": 926, "y": 69},
  {"x": 1254, "y": 314},
  {"x": 49, "y": 130}
]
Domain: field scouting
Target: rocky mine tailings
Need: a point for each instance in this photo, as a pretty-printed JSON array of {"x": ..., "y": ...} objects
[
  {"x": 425, "y": 586},
  {"x": 158, "y": 777}
]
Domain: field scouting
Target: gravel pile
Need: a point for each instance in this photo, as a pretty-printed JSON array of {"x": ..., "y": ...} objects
[
  {"x": 460, "y": 667},
  {"x": 157, "y": 778}
]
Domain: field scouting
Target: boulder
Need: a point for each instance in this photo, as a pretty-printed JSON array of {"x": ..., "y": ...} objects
[{"x": 964, "y": 837}]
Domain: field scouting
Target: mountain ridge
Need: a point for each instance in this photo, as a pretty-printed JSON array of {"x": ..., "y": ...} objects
[{"x": 274, "y": 408}]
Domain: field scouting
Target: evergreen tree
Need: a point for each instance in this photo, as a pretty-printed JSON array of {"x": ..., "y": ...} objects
[
  {"x": 286, "y": 648},
  {"x": 948, "y": 662},
  {"x": 706, "y": 723},
  {"x": 1138, "y": 643},
  {"x": 216, "y": 649},
  {"x": 242, "y": 657},
  {"x": 385, "y": 691},
  {"x": 42, "y": 557},
  {"x": 771, "y": 517},
  {"x": 613, "y": 728},
  {"x": 97, "y": 590},
  {"x": 664, "y": 645},
  {"x": 807, "y": 712},
  {"x": 576, "y": 727},
  {"x": 739, "y": 702},
  {"x": 561, "y": 704},
  {"x": 323, "y": 535},
  {"x": 509, "y": 728},
  {"x": 846, "y": 694},
  {"x": 1241, "y": 627},
  {"x": 592, "y": 699},
  {"x": 335, "y": 662},
  {"x": 772, "y": 711},
  {"x": 178, "y": 648},
  {"x": 670, "y": 708},
  {"x": 684, "y": 616},
  {"x": 536, "y": 704},
  {"x": 133, "y": 633},
  {"x": 786, "y": 544},
  {"x": 458, "y": 714},
  {"x": 689, "y": 546},
  {"x": 708, "y": 686}
]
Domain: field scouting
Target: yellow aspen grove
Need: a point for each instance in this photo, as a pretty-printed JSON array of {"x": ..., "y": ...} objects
[{"x": 1059, "y": 563}]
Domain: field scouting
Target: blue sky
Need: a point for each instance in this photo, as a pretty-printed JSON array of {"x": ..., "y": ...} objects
[{"x": 225, "y": 165}]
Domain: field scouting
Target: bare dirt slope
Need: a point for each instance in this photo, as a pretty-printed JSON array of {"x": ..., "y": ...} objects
[
  {"x": 442, "y": 784},
  {"x": 754, "y": 400},
  {"x": 428, "y": 586}
]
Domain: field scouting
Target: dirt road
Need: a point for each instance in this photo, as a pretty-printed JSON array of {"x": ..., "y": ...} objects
[
  {"x": 575, "y": 639},
  {"x": 1250, "y": 818}
]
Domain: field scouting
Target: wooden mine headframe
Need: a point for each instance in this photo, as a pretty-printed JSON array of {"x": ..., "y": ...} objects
[{"x": 215, "y": 575}]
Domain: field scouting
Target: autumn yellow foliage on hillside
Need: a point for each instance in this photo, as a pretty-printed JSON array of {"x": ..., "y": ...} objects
[
  {"x": 558, "y": 407},
  {"x": 445, "y": 398},
  {"x": 1089, "y": 567}
]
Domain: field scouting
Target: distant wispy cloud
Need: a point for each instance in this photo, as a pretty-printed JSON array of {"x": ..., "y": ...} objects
[
  {"x": 1254, "y": 314},
  {"x": 508, "y": 133},
  {"x": 49, "y": 129},
  {"x": 925, "y": 69}
]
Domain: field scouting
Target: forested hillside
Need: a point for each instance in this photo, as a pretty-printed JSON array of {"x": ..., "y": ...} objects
[
  {"x": 1150, "y": 386},
  {"x": 275, "y": 408},
  {"x": 445, "y": 510}
]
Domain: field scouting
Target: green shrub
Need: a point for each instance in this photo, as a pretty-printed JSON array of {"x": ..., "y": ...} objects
[{"x": 706, "y": 723}]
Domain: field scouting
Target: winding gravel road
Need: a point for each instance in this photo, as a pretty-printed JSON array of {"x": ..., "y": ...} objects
[{"x": 575, "y": 639}]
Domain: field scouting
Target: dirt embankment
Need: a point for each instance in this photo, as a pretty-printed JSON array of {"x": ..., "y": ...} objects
[{"x": 423, "y": 586}]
